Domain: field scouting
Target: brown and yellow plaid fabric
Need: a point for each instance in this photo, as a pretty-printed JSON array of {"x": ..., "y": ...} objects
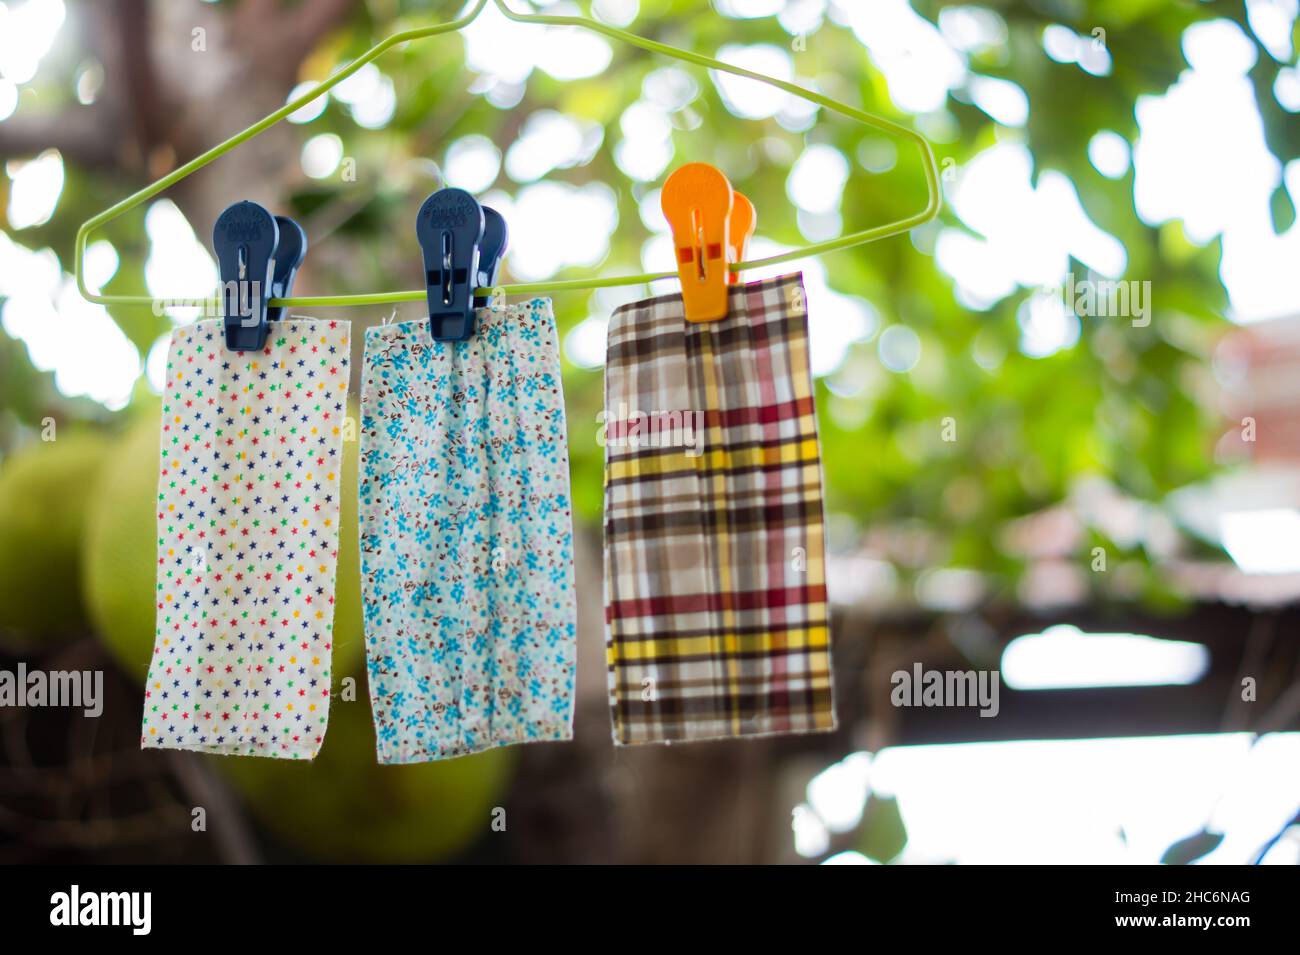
[{"x": 715, "y": 587}]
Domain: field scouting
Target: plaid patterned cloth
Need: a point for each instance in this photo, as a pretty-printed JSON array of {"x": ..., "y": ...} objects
[{"x": 715, "y": 592}]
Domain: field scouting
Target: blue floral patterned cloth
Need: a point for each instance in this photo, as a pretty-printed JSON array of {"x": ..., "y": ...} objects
[{"x": 466, "y": 536}]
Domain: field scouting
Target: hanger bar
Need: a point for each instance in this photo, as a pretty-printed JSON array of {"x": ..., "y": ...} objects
[{"x": 872, "y": 234}]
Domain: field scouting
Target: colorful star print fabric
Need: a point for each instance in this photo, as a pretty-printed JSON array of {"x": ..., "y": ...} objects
[
  {"x": 466, "y": 536},
  {"x": 248, "y": 515}
]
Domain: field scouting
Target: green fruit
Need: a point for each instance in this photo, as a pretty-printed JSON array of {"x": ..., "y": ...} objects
[
  {"x": 45, "y": 489},
  {"x": 344, "y": 806},
  {"x": 119, "y": 558}
]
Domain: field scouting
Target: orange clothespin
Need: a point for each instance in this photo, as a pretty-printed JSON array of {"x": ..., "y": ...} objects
[
  {"x": 698, "y": 201},
  {"x": 741, "y": 228}
]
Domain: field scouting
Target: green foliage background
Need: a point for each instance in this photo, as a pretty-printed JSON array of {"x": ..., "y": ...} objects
[{"x": 1116, "y": 404}]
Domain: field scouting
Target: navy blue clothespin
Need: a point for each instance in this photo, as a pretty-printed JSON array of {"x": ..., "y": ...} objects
[
  {"x": 490, "y": 251},
  {"x": 289, "y": 255},
  {"x": 450, "y": 229},
  {"x": 258, "y": 256}
]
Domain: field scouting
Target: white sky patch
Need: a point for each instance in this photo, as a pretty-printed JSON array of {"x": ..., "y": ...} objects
[
  {"x": 472, "y": 163},
  {"x": 1046, "y": 326},
  {"x": 499, "y": 47},
  {"x": 643, "y": 160},
  {"x": 972, "y": 29},
  {"x": 80, "y": 343},
  {"x": 509, "y": 52},
  {"x": 670, "y": 88},
  {"x": 305, "y": 114},
  {"x": 1205, "y": 130},
  {"x": 585, "y": 343},
  {"x": 609, "y": 298},
  {"x": 899, "y": 349},
  {"x": 810, "y": 835},
  {"x": 24, "y": 272},
  {"x": 499, "y": 93},
  {"x": 919, "y": 65},
  {"x": 369, "y": 95},
  {"x": 617, "y": 13},
  {"x": 837, "y": 321},
  {"x": 1201, "y": 157},
  {"x": 982, "y": 274},
  {"x": 652, "y": 211},
  {"x": 65, "y": 334},
  {"x": 799, "y": 114},
  {"x": 100, "y": 264},
  {"x": 551, "y": 140},
  {"x": 321, "y": 155},
  {"x": 1271, "y": 21},
  {"x": 377, "y": 109},
  {"x": 554, "y": 225},
  {"x": 1109, "y": 153},
  {"x": 1002, "y": 100},
  {"x": 816, "y": 181},
  {"x": 1286, "y": 851},
  {"x": 1063, "y": 656},
  {"x": 35, "y": 187},
  {"x": 1084, "y": 239},
  {"x": 657, "y": 256},
  {"x": 179, "y": 265},
  {"x": 573, "y": 53},
  {"x": 819, "y": 226},
  {"x": 360, "y": 86},
  {"x": 647, "y": 144},
  {"x": 1065, "y": 46},
  {"x": 155, "y": 366},
  {"x": 27, "y": 32},
  {"x": 1028, "y": 233},
  {"x": 801, "y": 16},
  {"x": 877, "y": 154},
  {"x": 1264, "y": 541},
  {"x": 1156, "y": 790},
  {"x": 848, "y": 857},
  {"x": 748, "y": 98},
  {"x": 1286, "y": 89},
  {"x": 838, "y": 794},
  {"x": 749, "y": 9}
]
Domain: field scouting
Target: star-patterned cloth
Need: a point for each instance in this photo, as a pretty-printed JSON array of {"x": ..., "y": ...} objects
[
  {"x": 248, "y": 515},
  {"x": 466, "y": 536}
]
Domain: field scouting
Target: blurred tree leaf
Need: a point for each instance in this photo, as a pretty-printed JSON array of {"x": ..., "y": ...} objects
[
  {"x": 882, "y": 835},
  {"x": 1113, "y": 405},
  {"x": 1282, "y": 208},
  {"x": 1186, "y": 851}
]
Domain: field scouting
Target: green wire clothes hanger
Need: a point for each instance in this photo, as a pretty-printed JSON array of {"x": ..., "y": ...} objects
[{"x": 383, "y": 298}]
